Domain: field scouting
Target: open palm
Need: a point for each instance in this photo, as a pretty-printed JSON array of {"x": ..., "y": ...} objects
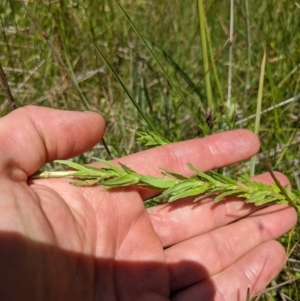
[{"x": 61, "y": 242}]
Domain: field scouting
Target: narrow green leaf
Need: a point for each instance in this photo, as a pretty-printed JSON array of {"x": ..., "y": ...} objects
[
  {"x": 258, "y": 106},
  {"x": 275, "y": 188},
  {"x": 128, "y": 169},
  {"x": 188, "y": 193},
  {"x": 122, "y": 181},
  {"x": 178, "y": 70},
  {"x": 174, "y": 174},
  {"x": 282, "y": 189},
  {"x": 157, "y": 62},
  {"x": 259, "y": 193},
  {"x": 118, "y": 78},
  {"x": 204, "y": 196},
  {"x": 158, "y": 183},
  {"x": 256, "y": 200},
  {"x": 116, "y": 169},
  {"x": 205, "y": 59},
  {"x": 223, "y": 179},
  {"x": 71, "y": 164},
  {"x": 244, "y": 177},
  {"x": 293, "y": 196},
  {"x": 203, "y": 175},
  {"x": 265, "y": 201},
  {"x": 181, "y": 186},
  {"x": 222, "y": 196}
]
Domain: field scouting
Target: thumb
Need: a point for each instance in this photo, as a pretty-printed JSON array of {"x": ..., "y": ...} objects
[{"x": 31, "y": 136}]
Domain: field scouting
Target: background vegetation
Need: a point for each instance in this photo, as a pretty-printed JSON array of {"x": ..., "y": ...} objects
[{"x": 180, "y": 68}]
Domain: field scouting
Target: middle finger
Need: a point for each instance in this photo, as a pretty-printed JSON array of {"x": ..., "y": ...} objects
[{"x": 218, "y": 249}]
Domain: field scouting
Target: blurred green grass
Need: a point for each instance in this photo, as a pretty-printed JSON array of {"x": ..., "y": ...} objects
[{"x": 169, "y": 85}]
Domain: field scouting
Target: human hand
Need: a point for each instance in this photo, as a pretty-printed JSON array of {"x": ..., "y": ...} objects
[{"x": 62, "y": 242}]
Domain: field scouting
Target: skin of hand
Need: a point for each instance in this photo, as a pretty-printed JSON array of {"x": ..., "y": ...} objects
[{"x": 61, "y": 242}]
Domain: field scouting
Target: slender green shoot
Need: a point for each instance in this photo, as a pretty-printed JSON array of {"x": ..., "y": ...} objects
[
  {"x": 173, "y": 186},
  {"x": 6, "y": 89},
  {"x": 258, "y": 107},
  {"x": 229, "y": 91},
  {"x": 286, "y": 147},
  {"x": 118, "y": 78},
  {"x": 178, "y": 70},
  {"x": 154, "y": 56},
  {"x": 213, "y": 64},
  {"x": 247, "y": 79},
  {"x": 206, "y": 70},
  {"x": 70, "y": 75}
]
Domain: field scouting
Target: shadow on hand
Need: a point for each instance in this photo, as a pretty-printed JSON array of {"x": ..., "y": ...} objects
[{"x": 31, "y": 270}]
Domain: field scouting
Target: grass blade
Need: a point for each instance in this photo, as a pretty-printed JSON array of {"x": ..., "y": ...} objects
[
  {"x": 71, "y": 77},
  {"x": 154, "y": 57},
  {"x": 206, "y": 70},
  {"x": 258, "y": 107},
  {"x": 177, "y": 69},
  {"x": 137, "y": 106},
  {"x": 229, "y": 92}
]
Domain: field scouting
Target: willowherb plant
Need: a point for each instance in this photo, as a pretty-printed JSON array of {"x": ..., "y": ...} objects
[{"x": 174, "y": 186}]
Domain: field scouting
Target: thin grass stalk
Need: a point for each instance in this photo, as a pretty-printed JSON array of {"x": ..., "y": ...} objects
[
  {"x": 288, "y": 76},
  {"x": 279, "y": 285},
  {"x": 296, "y": 178},
  {"x": 247, "y": 79},
  {"x": 286, "y": 147},
  {"x": 258, "y": 107},
  {"x": 45, "y": 35},
  {"x": 178, "y": 70},
  {"x": 137, "y": 106},
  {"x": 213, "y": 64},
  {"x": 6, "y": 89},
  {"x": 70, "y": 75},
  {"x": 274, "y": 92},
  {"x": 285, "y": 102},
  {"x": 206, "y": 70},
  {"x": 7, "y": 44},
  {"x": 290, "y": 250},
  {"x": 229, "y": 88},
  {"x": 154, "y": 56}
]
